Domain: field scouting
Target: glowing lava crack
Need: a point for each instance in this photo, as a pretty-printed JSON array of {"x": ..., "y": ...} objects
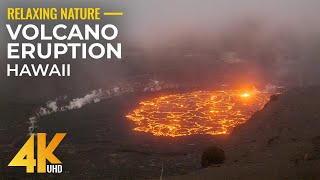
[{"x": 201, "y": 112}]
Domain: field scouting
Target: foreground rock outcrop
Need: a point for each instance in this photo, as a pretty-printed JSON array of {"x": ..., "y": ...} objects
[{"x": 212, "y": 155}]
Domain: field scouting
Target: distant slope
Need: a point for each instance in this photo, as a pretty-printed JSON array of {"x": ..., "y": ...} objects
[{"x": 282, "y": 141}]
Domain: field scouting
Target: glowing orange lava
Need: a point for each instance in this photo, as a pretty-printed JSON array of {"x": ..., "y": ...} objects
[
  {"x": 245, "y": 95},
  {"x": 201, "y": 112}
]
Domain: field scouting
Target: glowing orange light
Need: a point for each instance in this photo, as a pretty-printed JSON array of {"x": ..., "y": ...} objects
[
  {"x": 245, "y": 95},
  {"x": 196, "y": 112}
]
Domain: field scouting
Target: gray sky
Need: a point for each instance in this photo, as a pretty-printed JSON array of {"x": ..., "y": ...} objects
[
  {"x": 146, "y": 19},
  {"x": 154, "y": 22}
]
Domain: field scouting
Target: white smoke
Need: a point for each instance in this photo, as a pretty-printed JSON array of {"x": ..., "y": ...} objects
[
  {"x": 52, "y": 105},
  {"x": 94, "y": 96},
  {"x": 272, "y": 88},
  {"x": 61, "y": 104}
]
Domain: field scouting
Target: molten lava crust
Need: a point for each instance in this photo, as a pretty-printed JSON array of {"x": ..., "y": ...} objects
[{"x": 201, "y": 112}]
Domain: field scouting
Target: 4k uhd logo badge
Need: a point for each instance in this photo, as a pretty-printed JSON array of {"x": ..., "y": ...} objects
[{"x": 26, "y": 155}]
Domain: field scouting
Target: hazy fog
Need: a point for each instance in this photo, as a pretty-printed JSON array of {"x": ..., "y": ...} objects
[{"x": 270, "y": 41}]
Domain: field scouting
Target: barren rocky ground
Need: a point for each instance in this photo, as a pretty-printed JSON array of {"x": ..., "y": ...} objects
[{"x": 282, "y": 141}]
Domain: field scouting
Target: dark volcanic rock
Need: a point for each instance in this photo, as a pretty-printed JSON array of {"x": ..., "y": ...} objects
[
  {"x": 281, "y": 141},
  {"x": 212, "y": 155},
  {"x": 274, "y": 97}
]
